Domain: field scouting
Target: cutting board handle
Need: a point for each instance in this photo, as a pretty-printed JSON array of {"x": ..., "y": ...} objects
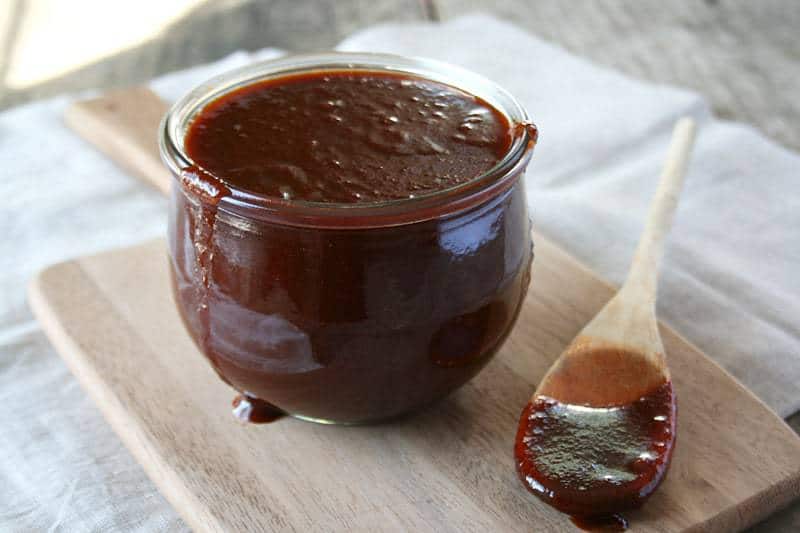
[{"x": 123, "y": 124}]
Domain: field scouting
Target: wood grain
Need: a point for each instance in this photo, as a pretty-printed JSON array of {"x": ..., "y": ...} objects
[
  {"x": 123, "y": 124},
  {"x": 449, "y": 468}
]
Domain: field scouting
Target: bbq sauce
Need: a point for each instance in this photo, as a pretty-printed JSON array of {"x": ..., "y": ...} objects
[
  {"x": 353, "y": 325},
  {"x": 611, "y": 522},
  {"x": 593, "y": 462},
  {"x": 348, "y": 137},
  {"x": 250, "y": 409}
]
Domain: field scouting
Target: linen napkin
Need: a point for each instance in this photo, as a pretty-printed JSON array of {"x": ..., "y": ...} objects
[{"x": 731, "y": 280}]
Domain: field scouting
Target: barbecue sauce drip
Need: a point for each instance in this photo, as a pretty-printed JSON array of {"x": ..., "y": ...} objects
[
  {"x": 611, "y": 522},
  {"x": 348, "y": 137},
  {"x": 209, "y": 191},
  {"x": 595, "y": 462},
  {"x": 250, "y": 409}
]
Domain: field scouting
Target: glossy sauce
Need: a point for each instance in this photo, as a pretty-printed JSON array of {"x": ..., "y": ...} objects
[
  {"x": 611, "y": 522},
  {"x": 595, "y": 462},
  {"x": 348, "y": 137},
  {"x": 358, "y": 324},
  {"x": 249, "y": 409}
]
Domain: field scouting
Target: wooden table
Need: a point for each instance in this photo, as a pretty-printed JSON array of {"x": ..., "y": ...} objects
[{"x": 743, "y": 56}]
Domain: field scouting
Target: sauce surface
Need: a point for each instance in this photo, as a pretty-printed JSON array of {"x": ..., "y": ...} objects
[
  {"x": 347, "y": 137},
  {"x": 595, "y": 462}
]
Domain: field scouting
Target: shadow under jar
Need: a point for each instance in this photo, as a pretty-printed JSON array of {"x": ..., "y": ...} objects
[{"x": 345, "y": 309}]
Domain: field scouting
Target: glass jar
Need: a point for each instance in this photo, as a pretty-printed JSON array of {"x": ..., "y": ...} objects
[{"x": 349, "y": 313}]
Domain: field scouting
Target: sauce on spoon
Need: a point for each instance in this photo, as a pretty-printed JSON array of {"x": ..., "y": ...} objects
[{"x": 596, "y": 461}]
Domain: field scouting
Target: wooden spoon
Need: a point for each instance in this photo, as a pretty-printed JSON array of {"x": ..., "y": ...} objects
[
  {"x": 597, "y": 435},
  {"x": 619, "y": 356}
]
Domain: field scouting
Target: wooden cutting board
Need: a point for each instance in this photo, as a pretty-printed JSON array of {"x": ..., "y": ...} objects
[{"x": 450, "y": 468}]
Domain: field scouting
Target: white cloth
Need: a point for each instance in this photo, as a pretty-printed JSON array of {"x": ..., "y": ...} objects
[{"x": 731, "y": 279}]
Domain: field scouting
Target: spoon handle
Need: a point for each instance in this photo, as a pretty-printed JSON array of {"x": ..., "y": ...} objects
[{"x": 643, "y": 274}]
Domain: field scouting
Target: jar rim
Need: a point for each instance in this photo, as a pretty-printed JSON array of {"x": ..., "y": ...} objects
[{"x": 435, "y": 204}]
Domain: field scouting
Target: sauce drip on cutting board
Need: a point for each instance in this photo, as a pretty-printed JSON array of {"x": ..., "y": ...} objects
[{"x": 593, "y": 462}]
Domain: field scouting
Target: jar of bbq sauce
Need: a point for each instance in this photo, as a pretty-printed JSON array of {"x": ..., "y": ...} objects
[{"x": 348, "y": 233}]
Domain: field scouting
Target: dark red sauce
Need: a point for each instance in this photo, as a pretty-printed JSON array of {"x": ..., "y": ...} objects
[
  {"x": 611, "y": 522},
  {"x": 348, "y": 137},
  {"x": 595, "y": 462},
  {"x": 361, "y": 323},
  {"x": 246, "y": 408}
]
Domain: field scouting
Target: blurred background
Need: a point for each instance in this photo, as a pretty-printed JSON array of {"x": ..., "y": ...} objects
[{"x": 744, "y": 56}]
